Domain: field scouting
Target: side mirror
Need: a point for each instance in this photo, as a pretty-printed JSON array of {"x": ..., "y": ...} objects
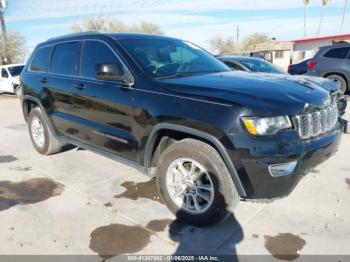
[{"x": 110, "y": 72}]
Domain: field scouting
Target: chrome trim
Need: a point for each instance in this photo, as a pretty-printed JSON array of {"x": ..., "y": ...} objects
[{"x": 316, "y": 123}]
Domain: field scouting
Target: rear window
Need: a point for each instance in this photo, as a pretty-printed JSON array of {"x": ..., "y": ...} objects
[
  {"x": 40, "y": 62},
  {"x": 340, "y": 53},
  {"x": 65, "y": 59}
]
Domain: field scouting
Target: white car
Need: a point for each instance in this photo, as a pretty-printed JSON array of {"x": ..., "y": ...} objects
[{"x": 9, "y": 78}]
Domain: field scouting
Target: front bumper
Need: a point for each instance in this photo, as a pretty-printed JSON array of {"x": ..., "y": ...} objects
[{"x": 257, "y": 154}]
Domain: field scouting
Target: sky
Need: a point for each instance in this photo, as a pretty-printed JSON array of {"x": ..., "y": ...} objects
[{"x": 194, "y": 20}]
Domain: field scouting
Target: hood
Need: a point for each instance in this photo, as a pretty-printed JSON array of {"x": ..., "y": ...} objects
[
  {"x": 308, "y": 80},
  {"x": 269, "y": 94}
]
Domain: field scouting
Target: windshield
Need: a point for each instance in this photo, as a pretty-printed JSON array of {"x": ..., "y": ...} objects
[
  {"x": 15, "y": 70},
  {"x": 259, "y": 65},
  {"x": 164, "y": 58}
]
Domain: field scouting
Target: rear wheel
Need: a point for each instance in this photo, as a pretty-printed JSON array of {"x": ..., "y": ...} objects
[
  {"x": 41, "y": 136},
  {"x": 339, "y": 80},
  {"x": 195, "y": 184}
]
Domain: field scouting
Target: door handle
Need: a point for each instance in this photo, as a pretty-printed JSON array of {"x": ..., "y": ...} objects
[
  {"x": 43, "y": 80},
  {"x": 79, "y": 86}
]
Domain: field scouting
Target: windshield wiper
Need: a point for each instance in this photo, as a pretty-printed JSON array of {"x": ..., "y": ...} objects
[{"x": 177, "y": 75}]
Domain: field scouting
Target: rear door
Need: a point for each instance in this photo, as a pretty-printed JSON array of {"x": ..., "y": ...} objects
[
  {"x": 5, "y": 81},
  {"x": 104, "y": 109},
  {"x": 60, "y": 82}
]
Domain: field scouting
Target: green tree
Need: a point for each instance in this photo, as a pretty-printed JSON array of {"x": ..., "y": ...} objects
[
  {"x": 114, "y": 25},
  {"x": 12, "y": 48},
  {"x": 324, "y": 3}
]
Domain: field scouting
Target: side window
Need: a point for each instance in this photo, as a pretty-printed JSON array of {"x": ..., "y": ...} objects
[
  {"x": 233, "y": 66},
  {"x": 4, "y": 73},
  {"x": 340, "y": 53},
  {"x": 95, "y": 53},
  {"x": 40, "y": 62},
  {"x": 65, "y": 58}
]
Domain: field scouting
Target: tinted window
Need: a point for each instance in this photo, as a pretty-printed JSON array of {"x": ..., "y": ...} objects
[
  {"x": 233, "y": 66},
  {"x": 16, "y": 70},
  {"x": 172, "y": 57},
  {"x": 40, "y": 61},
  {"x": 340, "y": 53},
  {"x": 259, "y": 65},
  {"x": 65, "y": 59},
  {"x": 95, "y": 53},
  {"x": 4, "y": 73}
]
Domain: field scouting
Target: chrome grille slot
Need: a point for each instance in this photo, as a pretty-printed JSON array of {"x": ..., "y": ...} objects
[{"x": 315, "y": 123}]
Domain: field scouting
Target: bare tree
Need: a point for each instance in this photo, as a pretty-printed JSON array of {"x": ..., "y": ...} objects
[
  {"x": 324, "y": 3},
  {"x": 223, "y": 45},
  {"x": 114, "y": 25},
  {"x": 249, "y": 43},
  {"x": 343, "y": 19},
  {"x": 12, "y": 48},
  {"x": 227, "y": 45},
  {"x": 306, "y": 3}
]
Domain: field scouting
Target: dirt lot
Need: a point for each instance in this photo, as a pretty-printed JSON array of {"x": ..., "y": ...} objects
[{"x": 77, "y": 202}]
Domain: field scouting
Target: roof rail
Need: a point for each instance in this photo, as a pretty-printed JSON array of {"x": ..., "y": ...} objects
[{"x": 73, "y": 34}]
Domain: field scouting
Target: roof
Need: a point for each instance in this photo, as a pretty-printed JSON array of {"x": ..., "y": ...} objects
[
  {"x": 323, "y": 38},
  {"x": 113, "y": 35},
  {"x": 237, "y": 58},
  {"x": 11, "y": 65}
]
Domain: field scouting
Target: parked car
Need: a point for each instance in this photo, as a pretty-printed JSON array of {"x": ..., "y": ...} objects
[
  {"x": 332, "y": 62},
  {"x": 250, "y": 64},
  {"x": 299, "y": 68},
  {"x": 257, "y": 65},
  {"x": 209, "y": 135},
  {"x": 9, "y": 78}
]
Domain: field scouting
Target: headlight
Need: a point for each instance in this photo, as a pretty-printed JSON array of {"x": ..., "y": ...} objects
[{"x": 260, "y": 126}]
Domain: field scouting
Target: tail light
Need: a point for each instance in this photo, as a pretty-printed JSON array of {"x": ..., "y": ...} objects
[
  {"x": 289, "y": 68},
  {"x": 311, "y": 64}
]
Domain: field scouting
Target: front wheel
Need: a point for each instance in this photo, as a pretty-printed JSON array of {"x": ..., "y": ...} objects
[
  {"x": 18, "y": 91},
  {"x": 42, "y": 138},
  {"x": 195, "y": 184}
]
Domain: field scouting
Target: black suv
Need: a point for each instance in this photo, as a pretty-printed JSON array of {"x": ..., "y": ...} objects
[{"x": 210, "y": 136}]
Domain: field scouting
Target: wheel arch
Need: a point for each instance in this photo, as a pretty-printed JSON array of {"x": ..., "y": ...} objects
[
  {"x": 155, "y": 137},
  {"x": 28, "y": 103}
]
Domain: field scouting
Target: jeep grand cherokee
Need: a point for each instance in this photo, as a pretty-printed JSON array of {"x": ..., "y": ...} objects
[{"x": 210, "y": 136}]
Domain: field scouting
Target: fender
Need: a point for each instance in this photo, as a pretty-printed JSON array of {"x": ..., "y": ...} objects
[
  {"x": 205, "y": 136},
  {"x": 37, "y": 101}
]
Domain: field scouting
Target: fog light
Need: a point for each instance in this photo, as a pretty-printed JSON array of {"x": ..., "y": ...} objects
[{"x": 283, "y": 169}]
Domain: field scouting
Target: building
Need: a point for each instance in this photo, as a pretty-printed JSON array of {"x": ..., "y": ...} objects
[{"x": 277, "y": 52}]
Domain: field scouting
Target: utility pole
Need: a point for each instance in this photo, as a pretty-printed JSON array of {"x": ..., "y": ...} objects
[{"x": 237, "y": 34}]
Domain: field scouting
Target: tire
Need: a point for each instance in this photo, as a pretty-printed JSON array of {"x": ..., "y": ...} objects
[
  {"x": 49, "y": 145},
  {"x": 224, "y": 197},
  {"x": 339, "y": 79},
  {"x": 18, "y": 91}
]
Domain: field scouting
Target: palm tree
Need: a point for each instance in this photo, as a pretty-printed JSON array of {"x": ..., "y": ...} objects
[
  {"x": 324, "y": 3},
  {"x": 306, "y": 2},
  {"x": 343, "y": 19}
]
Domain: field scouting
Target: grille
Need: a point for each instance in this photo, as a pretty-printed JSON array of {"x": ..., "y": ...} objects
[{"x": 316, "y": 123}]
